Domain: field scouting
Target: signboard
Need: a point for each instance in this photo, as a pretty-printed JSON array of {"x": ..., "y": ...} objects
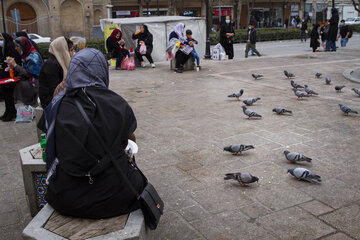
[
  {"x": 123, "y": 13},
  {"x": 224, "y": 11}
]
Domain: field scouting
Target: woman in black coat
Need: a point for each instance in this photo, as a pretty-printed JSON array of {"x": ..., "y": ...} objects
[
  {"x": 227, "y": 34},
  {"x": 314, "y": 37},
  {"x": 144, "y": 36},
  {"x": 115, "y": 46},
  {"x": 8, "y": 50},
  {"x": 333, "y": 30}
]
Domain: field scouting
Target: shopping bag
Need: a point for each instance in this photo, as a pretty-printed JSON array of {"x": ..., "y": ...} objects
[
  {"x": 25, "y": 114},
  {"x": 131, "y": 64},
  {"x": 125, "y": 63},
  {"x": 142, "y": 49}
]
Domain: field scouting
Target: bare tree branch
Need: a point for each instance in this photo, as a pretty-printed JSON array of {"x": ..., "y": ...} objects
[{"x": 354, "y": 3}]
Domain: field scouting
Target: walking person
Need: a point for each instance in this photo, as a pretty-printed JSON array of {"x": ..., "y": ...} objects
[
  {"x": 116, "y": 47},
  {"x": 181, "y": 55},
  {"x": 8, "y": 50},
  {"x": 324, "y": 29},
  {"x": 303, "y": 30},
  {"x": 144, "y": 37},
  {"x": 344, "y": 33},
  {"x": 333, "y": 30},
  {"x": 227, "y": 34},
  {"x": 314, "y": 37},
  {"x": 251, "y": 41}
]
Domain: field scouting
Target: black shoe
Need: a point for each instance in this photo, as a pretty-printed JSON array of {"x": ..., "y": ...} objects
[
  {"x": 4, "y": 115},
  {"x": 180, "y": 70},
  {"x": 9, "y": 117}
]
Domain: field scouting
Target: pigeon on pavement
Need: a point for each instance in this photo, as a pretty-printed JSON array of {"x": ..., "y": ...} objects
[
  {"x": 238, "y": 148},
  {"x": 243, "y": 178},
  {"x": 250, "y": 113},
  {"x": 256, "y": 76},
  {"x": 250, "y": 101},
  {"x": 289, "y": 74},
  {"x": 304, "y": 174},
  {"x": 338, "y": 88},
  {"x": 356, "y": 90},
  {"x": 318, "y": 75},
  {"x": 347, "y": 109},
  {"x": 327, "y": 80},
  {"x": 295, "y": 85},
  {"x": 310, "y": 91},
  {"x": 300, "y": 94},
  {"x": 280, "y": 110},
  {"x": 237, "y": 95},
  {"x": 295, "y": 157}
]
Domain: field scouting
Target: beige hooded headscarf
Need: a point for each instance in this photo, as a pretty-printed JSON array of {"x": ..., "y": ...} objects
[{"x": 59, "y": 48}]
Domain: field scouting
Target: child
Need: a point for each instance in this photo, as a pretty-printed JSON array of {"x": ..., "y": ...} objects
[{"x": 191, "y": 42}]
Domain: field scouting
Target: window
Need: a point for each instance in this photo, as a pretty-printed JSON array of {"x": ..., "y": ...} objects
[{"x": 33, "y": 37}]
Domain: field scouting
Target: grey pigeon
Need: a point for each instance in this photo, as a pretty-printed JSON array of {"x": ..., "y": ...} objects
[
  {"x": 310, "y": 91},
  {"x": 295, "y": 85},
  {"x": 304, "y": 174},
  {"x": 256, "y": 76},
  {"x": 243, "y": 178},
  {"x": 289, "y": 74},
  {"x": 238, "y": 148},
  {"x": 250, "y": 113},
  {"x": 338, "y": 88},
  {"x": 280, "y": 110},
  {"x": 327, "y": 80},
  {"x": 318, "y": 75},
  {"x": 295, "y": 157},
  {"x": 300, "y": 94},
  {"x": 356, "y": 90},
  {"x": 237, "y": 95},
  {"x": 250, "y": 101},
  {"x": 347, "y": 109}
]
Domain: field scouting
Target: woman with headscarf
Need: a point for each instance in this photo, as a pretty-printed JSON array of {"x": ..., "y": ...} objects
[
  {"x": 8, "y": 50},
  {"x": 24, "y": 34},
  {"x": 116, "y": 47},
  {"x": 227, "y": 34},
  {"x": 144, "y": 37},
  {"x": 333, "y": 30},
  {"x": 315, "y": 37},
  {"x": 82, "y": 180},
  {"x": 180, "y": 56},
  {"x": 27, "y": 89}
]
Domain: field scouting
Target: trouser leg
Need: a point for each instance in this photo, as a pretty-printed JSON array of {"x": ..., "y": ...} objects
[
  {"x": 247, "y": 49},
  {"x": 253, "y": 47},
  {"x": 149, "y": 58},
  {"x": 231, "y": 51},
  {"x": 139, "y": 56}
]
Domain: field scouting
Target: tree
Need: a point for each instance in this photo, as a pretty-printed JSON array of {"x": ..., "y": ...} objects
[
  {"x": 171, "y": 11},
  {"x": 238, "y": 13},
  {"x": 356, "y": 5}
]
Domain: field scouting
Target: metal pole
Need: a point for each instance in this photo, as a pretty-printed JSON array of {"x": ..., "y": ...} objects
[
  {"x": 157, "y": 5},
  {"x": 333, "y": 3},
  {"x": 207, "y": 46},
  {"x": 3, "y": 16}
]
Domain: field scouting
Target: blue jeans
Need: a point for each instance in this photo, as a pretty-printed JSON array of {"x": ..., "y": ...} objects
[
  {"x": 344, "y": 41},
  {"x": 252, "y": 52},
  {"x": 120, "y": 56},
  {"x": 195, "y": 56},
  {"x": 330, "y": 44}
]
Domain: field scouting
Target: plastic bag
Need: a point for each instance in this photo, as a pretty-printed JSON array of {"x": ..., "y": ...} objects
[
  {"x": 142, "y": 49},
  {"x": 186, "y": 49},
  {"x": 172, "y": 48},
  {"x": 218, "y": 52},
  {"x": 131, "y": 64},
  {"x": 25, "y": 114},
  {"x": 125, "y": 63}
]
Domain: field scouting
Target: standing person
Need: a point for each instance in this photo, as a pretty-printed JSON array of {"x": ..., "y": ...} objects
[
  {"x": 180, "y": 56},
  {"x": 333, "y": 30},
  {"x": 27, "y": 88},
  {"x": 344, "y": 33},
  {"x": 116, "y": 47},
  {"x": 191, "y": 42},
  {"x": 227, "y": 34},
  {"x": 314, "y": 37},
  {"x": 144, "y": 37},
  {"x": 251, "y": 41},
  {"x": 294, "y": 22},
  {"x": 8, "y": 50},
  {"x": 324, "y": 29},
  {"x": 303, "y": 30}
]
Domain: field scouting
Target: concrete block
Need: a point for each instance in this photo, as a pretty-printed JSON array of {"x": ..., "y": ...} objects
[{"x": 189, "y": 65}]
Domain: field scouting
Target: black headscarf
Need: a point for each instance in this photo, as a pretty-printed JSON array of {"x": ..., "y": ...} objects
[{"x": 9, "y": 50}]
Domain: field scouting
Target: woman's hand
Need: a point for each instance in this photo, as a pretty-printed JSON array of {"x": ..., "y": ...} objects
[
  {"x": 122, "y": 42},
  {"x": 11, "y": 62}
]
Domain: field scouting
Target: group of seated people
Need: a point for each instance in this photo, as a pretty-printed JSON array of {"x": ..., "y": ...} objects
[{"x": 116, "y": 46}]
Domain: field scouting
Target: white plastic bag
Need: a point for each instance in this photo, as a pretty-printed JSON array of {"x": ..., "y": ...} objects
[
  {"x": 25, "y": 114},
  {"x": 142, "y": 49},
  {"x": 218, "y": 52}
]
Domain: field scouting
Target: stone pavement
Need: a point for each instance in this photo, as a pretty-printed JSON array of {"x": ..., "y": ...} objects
[{"x": 185, "y": 120}]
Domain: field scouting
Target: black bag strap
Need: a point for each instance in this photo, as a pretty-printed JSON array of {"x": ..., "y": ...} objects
[{"x": 107, "y": 150}]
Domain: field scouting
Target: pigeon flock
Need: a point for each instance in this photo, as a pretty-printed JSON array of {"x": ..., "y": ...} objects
[{"x": 245, "y": 178}]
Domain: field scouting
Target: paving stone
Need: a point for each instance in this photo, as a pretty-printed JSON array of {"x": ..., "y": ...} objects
[
  {"x": 337, "y": 236},
  {"x": 346, "y": 219},
  {"x": 9, "y": 218},
  {"x": 255, "y": 210},
  {"x": 194, "y": 212},
  {"x": 315, "y": 207}
]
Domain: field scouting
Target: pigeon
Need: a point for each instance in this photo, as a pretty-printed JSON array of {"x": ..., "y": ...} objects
[
  {"x": 256, "y": 76},
  {"x": 280, "y": 110},
  {"x": 250, "y": 101},
  {"x": 304, "y": 174},
  {"x": 299, "y": 94},
  {"x": 327, "y": 80},
  {"x": 238, "y": 148},
  {"x": 318, "y": 75},
  {"x": 356, "y": 90},
  {"x": 338, "y": 88},
  {"x": 295, "y": 157},
  {"x": 347, "y": 109},
  {"x": 295, "y": 85},
  {"x": 250, "y": 113},
  {"x": 310, "y": 91},
  {"x": 243, "y": 178},
  {"x": 237, "y": 95},
  {"x": 289, "y": 74}
]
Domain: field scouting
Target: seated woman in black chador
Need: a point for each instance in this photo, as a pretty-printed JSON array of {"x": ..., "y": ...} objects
[{"x": 76, "y": 188}]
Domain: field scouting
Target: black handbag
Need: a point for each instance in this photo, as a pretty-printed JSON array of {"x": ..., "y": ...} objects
[{"x": 151, "y": 204}]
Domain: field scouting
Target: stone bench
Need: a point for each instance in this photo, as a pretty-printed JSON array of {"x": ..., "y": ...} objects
[
  {"x": 189, "y": 64},
  {"x": 50, "y": 225}
]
